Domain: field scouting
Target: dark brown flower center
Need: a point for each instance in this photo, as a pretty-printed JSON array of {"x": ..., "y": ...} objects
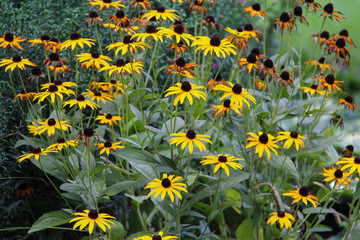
[
  {"x": 322, "y": 60},
  {"x": 256, "y": 7},
  {"x": 53, "y": 88},
  {"x": 54, "y": 40},
  {"x": 179, "y": 29},
  {"x": 45, "y": 37},
  {"x": 36, "y": 150},
  {"x": 251, "y": 58},
  {"x": 314, "y": 86},
  {"x": 298, "y": 11},
  {"x": 120, "y": 14},
  {"x": 107, "y": 144},
  {"x": 344, "y": 33},
  {"x": 88, "y": 132},
  {"x": 255, "y": 51},
  {"x": 309, "y": 1},
  {"x": 191, "y": 134},
  {"x": 60, "y": 140},
  {"x": 294, "y": 134},
  {"x": 16, "y": 58},
  {"x": 357, "y": 160},
  {"x": 93, "y": 214},
  {"x": 108, "y": 116},
  {"x": 97, "y": 94},
  {"x": 269, "y": 63},
  {"x": 329, "y": 8},
  {"x": 264, "y": 139},
  {"x": 248, "y": 27},
  {"x": 210, "y": 19},
  {"x": 178, "y": 22},
  {"x": 9, "y": 37},
  {"x": 237, "y": 89},
  {"x": 281, "y": 214},
  {"x": 284, "y": 17},
  {"x": 349, "y": 99},
  {"x": 151, "y": 29},
  {"x": 304, "y": 191},
  {"x": 113, "y": 81},
  {"x": 58, "y": 82},
  {"x": 127, "y": 39},
  {"x": 340, "y": 43},
  {"x": 160, "y": 9},
  {"x": 217, "y": 78},
  {"x": 36, "y": 71},
  {"x": 215, "y": 40},
  {"x": 285, "y": 76},
  {"x": 120, "y": 62},
  {"x": 350, "y": 148},
  {"x": 156, "y": 237},
  {"x": 74, "y": 36},
  {"x": 186, "y": 86},
  {"x": 325, "y": 34},
  {"x": 80, "y": 98},
  {"x": 166, "y": 183},
  {"x": 54, "y": 57},
  {"x": 51, "y": 122},
  {"x": 93, "y": 14},
  {"x": 95, "y": 55},
  {"x": 338, "y": 173},
  {"x": 222, "y": 159},
  {"x": 107, "y": 1},
  {"x": 226, "y": 103},
  {"x": 180, "y": 62},
  {"x": 330, "y": 79},
  {"x": 239, "y": 29}
]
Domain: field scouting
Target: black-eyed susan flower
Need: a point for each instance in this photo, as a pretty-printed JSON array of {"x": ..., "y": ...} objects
[
  {"x": 57, "y": 68},
  {"x": 178, "y": 32},
  {"x": 179, "y": 66},
  {"x": 150, "y": 32},
  {"x": 35, "y": 75},
  {"x": 321, "y": 64},
  {"x": 263, "y": 142},
  {"x": 189, "y": 139},
  {"x": 76, "y": 40},
  {"x": 98, "y": 96},
  {"x": 198, "y": 5},
  {"x": 225, "y": 108},
  {"x": 249, "y": 32},
  {"x": 328, "y": 10},
  {"x": 87, "y": 134},
  {"x": 283, "y": 218},
  {"x": 348, "y": 102},
  {"x": 179, "y": 47},
  {"x": 23, "y": 190},
  {"x": 55, "y": 60},
  {"x": 134, "y": 66},
  {"x": 352, "y": 163},
  {"x": 158, "y": 236},
  {"x": 33, "y": 128},
  {"x": 45, "y": 41},
  {"x": 314, "y": 5},
  {"x": 329, "y": 83},
  {"x": 92, "y": 217},
  {"x": 107, "y": 4},
  {"x": 257, "y": 54},
  {"x": 161, "y": 12},
  {"x": 120, "y": 18},
  {"x": 180, "y": 23},
  {"x": 93, "y": 59},
  {"x": 349, "y": 151},
  {"x": 113, "y": 86},
  {"x": 291, "y": 138},
  {"x": 53, "y": 44},
  {"x": 223, "y": 161},
  {"x": 285, "y": 78},
  {"x": 81, "y": 102},
  {"x": 143, "y": 3},
  {"x": 16, "y": 62},
  {"x": 238, "y": 37},
  {"x": 216, "y": 80},
  {"x": 119, "y": 67},
  {"x": 298, "y": 14},
  {"x": 60, "y": 84},
  {"x": 337, "y": 120},
  {"x": 214, "y": 45},
  {"x": 237, "y": 93},
  {"x": 51, "y": 124},
  {"x": 336, "y": 174},
  {"x": 94, "y": 18},
  {"x": 285, "y": 22},
  {"x": 52, "y": 92},
  {"x": 302, "y": 194},
  {"x": 128, "y": 44},
  {"x": 36, "y": 153},
  {"x": 210, "y": 20},
  {"x": 185, "y": 90},
  {"x": 313, "y": 90},
  {"x": 108, "y": 118},
  {"x": 268, "y": 67},
  {"x": 250, "y": 62},
  {"x": 61, "y": 143},
  {"x": 168, "y": 185},
  {"x": 255, "y": 10},
  {"x": 107, "y": 146},
  {"x": 339, "y": 47},
  {"x": 344, "y": 34},
  {"x": 24, "y": 96},
  {"x": 11, "y": 40},
  {"x": 323, "y": 38}
]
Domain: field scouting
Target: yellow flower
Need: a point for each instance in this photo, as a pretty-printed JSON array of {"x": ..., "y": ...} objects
[
  {"x": 283, "y": 218},
  {"x": 250, "y": 62},
  {"x": 290, "y": 138},
  {"x": 126, "y": 45},
  {"x": 11, "y": 40},
  {"x": 24, "y": 96},
  {"x": 285, "y": 22},
  {"x": 263, "y": 142},
  {"x": 158, "y": 236},
  {"x": 106, "y": 3},
  {"x": 225, "y": 108},
  {"x": 93, "y": 59},
  {"x": 189, "y": 139},
  {"x": 303, "y": 195},
  {"x": 134, "y": 66},
  {"x": 108, "y": 118},
  {"x": 168, "y": 185},
  {"x": 179, "y": 66},
  {"x": 222, "y": 161},
  {"x": 185, "y": 90},
  {"x": 16, "y": 61},
  {"x": 178, "y": 32},
  {"x": 94, "y": 18},
  {"x": 214, "y": 44},
  {"x": 98, "y": 96},
  {"x": 59, "y": 68},
  {"x": 348, "y": 102},
  {"x": 81, "y": 102},
  {"x": 120, "y": 67},
  {"x": 142, "y": 3},
  {"x": 36, "y": 153},
  {"x": 44, "y": 40},
  {"x": 90, "y": 217},
  {"x": 107, "y": 146},
  {"x": 321, "y": 64},
  {"x": 61, "y": 143},
  {"x": 59, "y": 84},
  {"x": 313, "y": 90},
  {"x": 151, "y": 32},
  {"x": 76, "y": 40},
  {"x": 336, "y": 174},
  {"x": 51, "y": 124},
  {"x": 52, "y": 92},
  {"x": 254, "y": 10},
  {"x": 161, "y": 12},
  {"x": 329, "y": 83},
  {"x": 33, "y": 129},
  {"x": 352, "y": 163},
  {"x": 237, "y": 93}
]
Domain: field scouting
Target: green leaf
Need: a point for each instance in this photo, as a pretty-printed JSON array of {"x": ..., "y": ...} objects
[
  {"x": 116, "y": 232},
  {"x": 285, "y": 163},
  {"x": 137, "y": 113},
  {"x": 50, "y": 219},
  {"x": 118, "y": 188}
]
